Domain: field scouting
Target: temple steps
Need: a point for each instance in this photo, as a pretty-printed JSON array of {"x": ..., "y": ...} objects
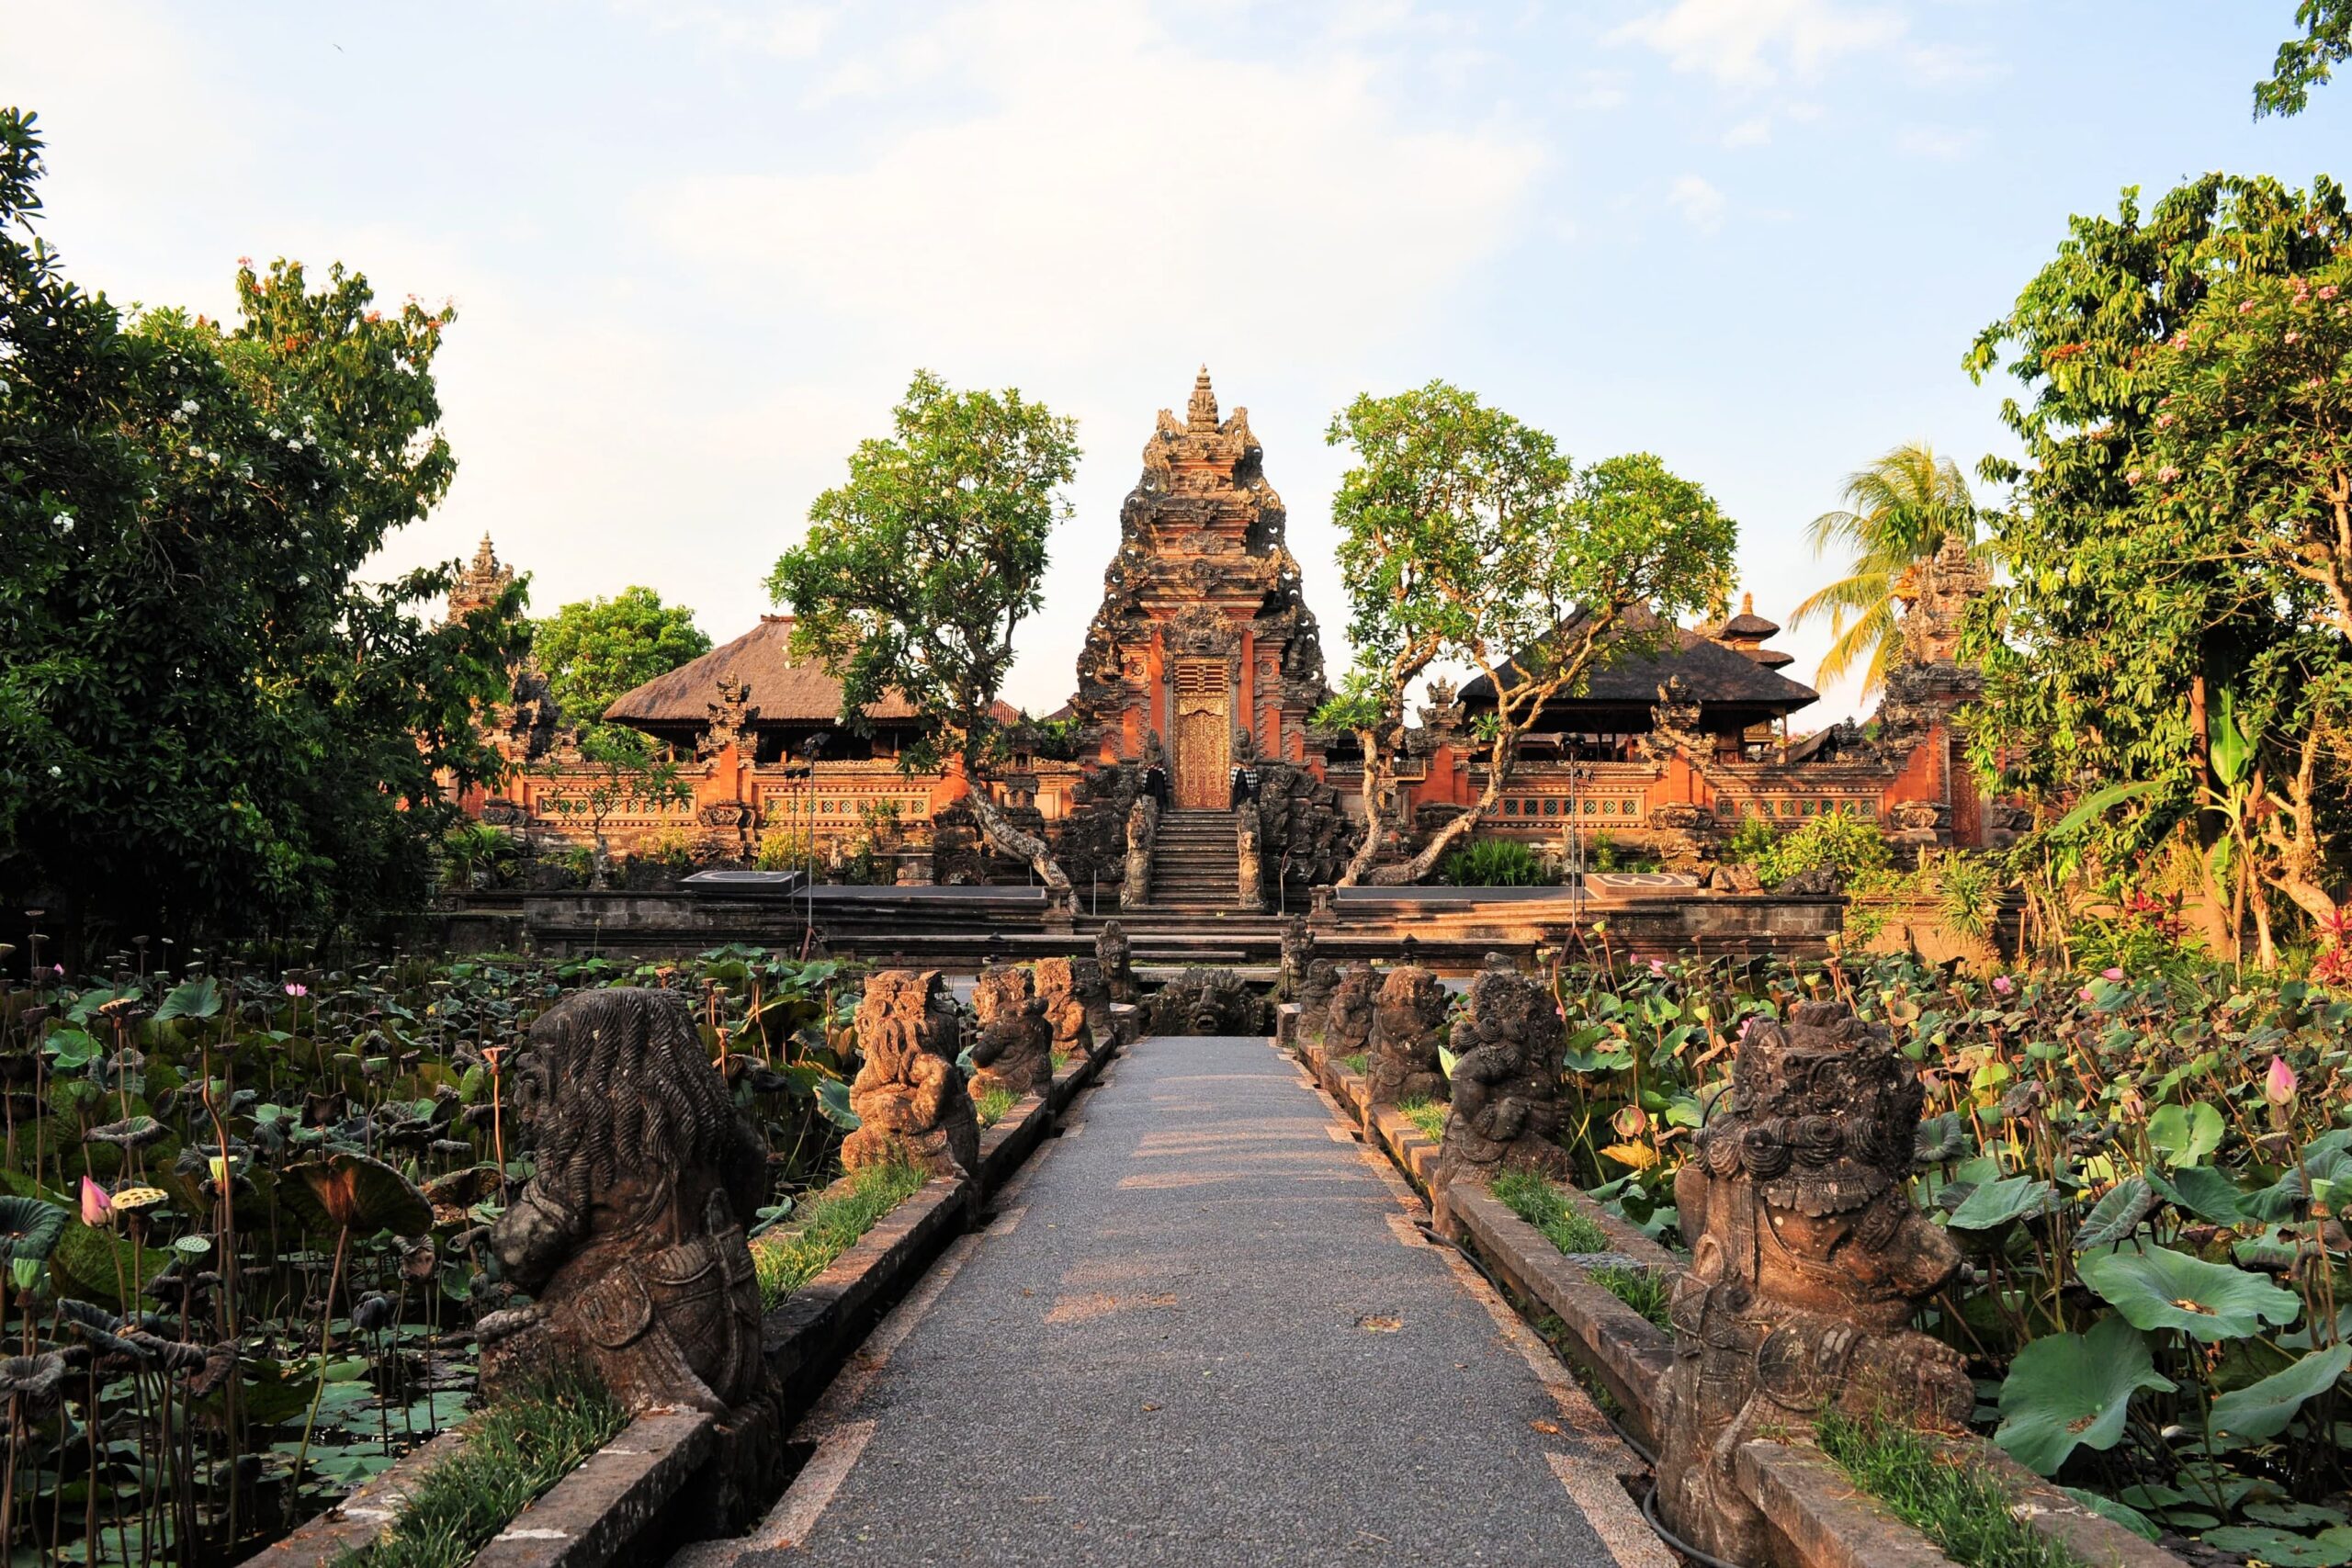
[{"x": 1193, "y": 865}]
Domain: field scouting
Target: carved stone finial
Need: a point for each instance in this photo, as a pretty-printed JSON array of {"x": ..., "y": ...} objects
[
  {"x": 630, "y": 1236},
  {"x": 1199, "y": 416},
  {"x": 1807, "y": 1261},
  {"x": 1208, "y": 1001},
  {"x": 1015, "y": 1049},
  {"x": 730, "y": 719},
  {"x": 909, "y": 1096},
  {"x": 1408, "y": 1025},
  {"x": 1444, "y": 712},
  {"x": 1068, "y": 987},
  {"x": 1297, "y": 952},
  {"x": 1111, "y": 952},
  {"x": 481, "y": 583},
  {"x": 1506, "y": 1111},
  {"x": 1347, "y": 1021}
]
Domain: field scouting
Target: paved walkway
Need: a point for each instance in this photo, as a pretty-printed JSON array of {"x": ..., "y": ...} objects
[{"x": 1204, "y": 1330}]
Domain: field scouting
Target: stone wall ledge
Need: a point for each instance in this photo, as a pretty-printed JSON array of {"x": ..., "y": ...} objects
[
  {"x": 360, "y": 1520},
  {"x": 598, "y": 1511}
]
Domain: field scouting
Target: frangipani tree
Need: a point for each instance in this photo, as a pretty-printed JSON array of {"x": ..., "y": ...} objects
[
  {"x": 1467, "y": 536},
  {"x": 916, "y": 572}
]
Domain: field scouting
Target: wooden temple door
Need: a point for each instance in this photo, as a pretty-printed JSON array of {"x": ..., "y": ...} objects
[{"x": 1204, "y": 735}]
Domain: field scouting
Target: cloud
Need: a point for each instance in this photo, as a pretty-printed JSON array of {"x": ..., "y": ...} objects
[
  {"x": 1944, "y": 144},
  {"x": 1700, "y": 203},
  {"x": 1752, "y": 133},
  {"x": 1752, "y": 43},
  {"x": 1095, "y": 171}
]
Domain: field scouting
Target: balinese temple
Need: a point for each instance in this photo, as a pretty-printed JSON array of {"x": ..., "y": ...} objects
[
  {"x": 1202, "y": 638},
  {"x": 1204, "y": 652}
]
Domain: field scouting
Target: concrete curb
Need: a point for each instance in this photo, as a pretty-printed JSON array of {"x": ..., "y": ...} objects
[{"x": 360, "y": 1520}]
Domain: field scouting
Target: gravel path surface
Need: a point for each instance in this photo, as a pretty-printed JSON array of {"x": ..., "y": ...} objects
[{"x": 1203, "y": 1330}]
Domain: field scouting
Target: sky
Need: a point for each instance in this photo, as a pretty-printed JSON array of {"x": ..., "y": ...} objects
[{"x": 697, "y": 248}]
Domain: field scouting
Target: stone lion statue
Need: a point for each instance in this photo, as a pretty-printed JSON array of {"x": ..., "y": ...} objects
[{"x": 631, "y": 1234}]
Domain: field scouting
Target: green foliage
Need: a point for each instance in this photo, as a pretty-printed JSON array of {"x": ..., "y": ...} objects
[
  {"x": 1427, "y": 1116},
  {"x": 1752, "y": 840},
  {"x": 2159, "y": 1288},
  {"x": 516, "y": 1451},
  {"x": 1466, "y": 535},
  {"x": 1840, "y": 840},
  {"x": 1964, "y": 1511},
  {"x": 2171, "y": 433},
  {"x": 824, "y": 1228},
  {"x": 1649, "y": 1291},
  {"x": 1541, "y": 1204},
  {"x": 1497, "y": 863},
  {"x": 991, "y": 1104},
  {"x": 2067, "y": 1391},
  {"x": 1897, "y": 513},
  {"x": 916, "y": 572},
  {"x": 213, "y": 721},
  {"x": 2306, "y": 62},
  {"x": 596, "y": 650}
]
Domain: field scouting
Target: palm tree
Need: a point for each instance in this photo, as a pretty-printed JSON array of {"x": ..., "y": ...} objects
[{"x": 1896, "y": 514}]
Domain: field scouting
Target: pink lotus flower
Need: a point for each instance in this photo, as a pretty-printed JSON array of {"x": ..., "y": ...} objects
[
  {"x": 2111, "y": 973},
  {"x": 97, "y": 1208},
  {"x": 2279, "y": 1084},
  {"x": 2004, "y": 985},
  {"x": 1658, "y": 966},
  {"x": 294, "y": 989},
  {"x": 2086, "y": 994}
]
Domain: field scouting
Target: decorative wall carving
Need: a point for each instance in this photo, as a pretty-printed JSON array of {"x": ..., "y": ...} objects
[
  {"x": 1506, "y": 1111},
  {"x": 1806, "y": 1265},
  {"x": 1208, "y": 1001},
  {"x": 1014, "y": 1051},
  {"x": 1409, "y": 1026},
  {"x": 910, "y": 1095}
]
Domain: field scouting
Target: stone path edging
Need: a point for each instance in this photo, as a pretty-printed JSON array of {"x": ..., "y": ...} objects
[
  {"x": 1809, "y": 1500},
  {"x": 593, "y": 1514}
]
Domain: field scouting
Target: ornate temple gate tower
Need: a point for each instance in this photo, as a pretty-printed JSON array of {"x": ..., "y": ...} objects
[{"x": 1202, "y": 639}]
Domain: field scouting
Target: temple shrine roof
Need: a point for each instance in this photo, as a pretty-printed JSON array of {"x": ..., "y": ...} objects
[
  {"x": 1714, "y": 672},
  {"x": 782, "y": 689}
]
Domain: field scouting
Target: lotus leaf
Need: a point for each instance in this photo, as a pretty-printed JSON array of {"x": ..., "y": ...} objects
[
  {"x": 30, "y": 1228},
  {"x": 2329, "y": 1548},
  {"x": 833, "y": 1099},
  {"x": 2067, "y": 1391},
  {"x": 2120, "y": 1210},
  {"x": 2201, "y": 1191},
  {"x": 1997, "y": 1203},
  {"x": 2210, "y": 1301},
  {"x": 350, "y": 1191},
  {"x": 2185, "y": 1134},
  {"x": 2263, "y": 1409},
  {"x": 2124, "y": 1513},
  {"x": 2293, "y": 1516},
  {"x": 195, "y": 998}
]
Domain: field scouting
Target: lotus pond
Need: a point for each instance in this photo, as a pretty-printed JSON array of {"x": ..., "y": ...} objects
[
  {"x": 2142, "y": 1172},
  {"x": 243, "y": 1220}
]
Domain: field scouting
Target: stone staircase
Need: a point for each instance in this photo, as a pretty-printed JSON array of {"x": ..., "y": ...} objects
[{"x": 1193, "y": 863}]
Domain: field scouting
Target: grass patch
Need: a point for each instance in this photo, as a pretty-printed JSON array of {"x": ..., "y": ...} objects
[
  {"x": 1539, "y": 1203},
  {"x": 516, "y": 1450},
  {"x": 1646, "y": 1290},
  {"x": 1355, "y": 1063},
  {"x": 1427, "y": 1116},
  {"x": 1062, "y": 1059},
  {"x": 1965, "y": 1514},
  {"x": 993, "y": 1105},
  {"x": 825, "y": 1226}
]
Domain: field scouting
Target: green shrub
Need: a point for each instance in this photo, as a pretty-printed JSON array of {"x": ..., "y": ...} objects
[
  {"x": 828, "y": 1225},
  {"x": 1964, "y": 1511},
  {"x": 1646, "y": 1291},
  {"x": 1539, "y": 1203},
  {"x": 1841, "y": 840},
  {"x": 1427, "y": 1115},
  {"x": 1496, "y": 863},
  {"x": 515, "y": 1450},
  {"x": 1754, "y": 838}
]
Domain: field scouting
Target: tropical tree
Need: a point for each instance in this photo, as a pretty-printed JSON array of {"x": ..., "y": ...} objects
[
  {"x": 617, "y": 769},
  {"x": 916, "y": 572},
  {"x": 2178, "y": 549},
  {"x": 1466, "y": 536},
  {"x": 213, "y": 723},
  {"x": 2304, "y": 63},
  {"x": 1897, "y": 513},
  {"x": 595, "y": 649}
]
